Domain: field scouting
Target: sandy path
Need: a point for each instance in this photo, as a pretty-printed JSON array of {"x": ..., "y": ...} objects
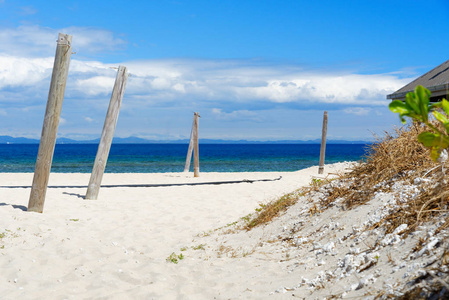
[{"x": 116, "y": 247}]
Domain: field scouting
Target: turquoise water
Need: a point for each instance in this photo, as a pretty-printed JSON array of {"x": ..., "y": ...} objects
[{"x": 160, "y": 158}]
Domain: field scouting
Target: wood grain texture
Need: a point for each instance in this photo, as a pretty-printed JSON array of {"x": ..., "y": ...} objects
[
  {"x": 51, "y": 123},
  {"x": 196, "y": 149},
  {"x": 190, "y": 150},
  {"x": 107, "y": 134},
  {"x": 323, "y": 144}
]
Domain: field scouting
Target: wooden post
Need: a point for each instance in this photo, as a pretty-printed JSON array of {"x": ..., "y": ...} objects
[
  {"x": 51, "y": 123},
  {"x": 193, "y": 146},
  {"x": 189, "y": 152},
  {"x": 323, "y": 144},
  {"x": 107, "y": 135},
  {"x": 196, "y": 153}
]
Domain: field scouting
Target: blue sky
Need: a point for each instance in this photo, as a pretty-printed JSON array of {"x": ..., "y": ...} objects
[{"x": 255, "y": 70}]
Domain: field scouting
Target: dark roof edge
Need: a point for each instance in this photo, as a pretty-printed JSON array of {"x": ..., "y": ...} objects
[
  {"x": 402, "y": 94},
  {"x": 435, "y": 88}
]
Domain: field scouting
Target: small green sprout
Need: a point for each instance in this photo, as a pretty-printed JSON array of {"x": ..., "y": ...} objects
[
  {"x": 174, "y": 258},
  {"x": 199, "y": 247},
  {"x": 261, "y": 206}
]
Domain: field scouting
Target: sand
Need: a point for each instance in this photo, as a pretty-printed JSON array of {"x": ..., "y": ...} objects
[{"x": 117, "y": 247}]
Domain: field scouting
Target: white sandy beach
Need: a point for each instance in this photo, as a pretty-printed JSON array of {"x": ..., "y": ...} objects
[{"x": 116, "y": 247}]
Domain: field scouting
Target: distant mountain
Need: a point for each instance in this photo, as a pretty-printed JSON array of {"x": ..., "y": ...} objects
[{"x": 5, "y": 139}]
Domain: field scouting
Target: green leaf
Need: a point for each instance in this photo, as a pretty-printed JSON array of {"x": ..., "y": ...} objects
[
  {"x": 401, "y": 108},
  {"x": 422, "y": 95},
  {"x": 435, "y": 153},
  {"x": 427, "y": 139},
  {"x": 435, "y": 142},
  {"x": 446, "y": 126},
  {"x": 445, "y": 106},
  {"x": 412, "y": 101},
  {"x": 440, "y": 117},
  {"x": 398, "y": 106}
]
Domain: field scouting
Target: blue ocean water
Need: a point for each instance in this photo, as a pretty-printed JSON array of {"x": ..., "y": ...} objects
[{"x": 161, "y": 158}]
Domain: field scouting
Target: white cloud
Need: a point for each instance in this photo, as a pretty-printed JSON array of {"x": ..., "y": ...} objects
[
  {"x": 94, "y": 86},
  {"x": 240, "y": 115},
  {"x": 358, "y": 111},
  {"x": 93, "y": 40},
  {"x": 325, "y": 88},
  {"x": 242, "y": 85},
  {"x": 17, "y": 71},
  {"x": 26, "y": 58},
  {"x": 227, "y": 80},
  {"x": 167, "y": 82},
  {"x": 40, "y": 41},
  {"x": 88, "y": 120}
]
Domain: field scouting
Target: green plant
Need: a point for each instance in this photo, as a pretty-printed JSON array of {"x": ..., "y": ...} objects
[
  {"x": 174, "y": 258},
  {"x": 199, "y": 247},
  {"x": 315, "y": 182},
  {"x": 417, "y": 106},
  {"x": 261, "y": 206}
]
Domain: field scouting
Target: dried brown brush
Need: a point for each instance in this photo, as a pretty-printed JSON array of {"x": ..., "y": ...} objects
[
  {"x": 431, "y": 203},
  {"x": 272, "y": 210},
  {"x": 398, "y": 156},
  {"x": 390, "y": 157}
]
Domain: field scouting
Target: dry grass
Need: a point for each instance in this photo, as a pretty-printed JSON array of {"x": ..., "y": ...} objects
[
  {"x": 435, "y": 291},
  {"x": 397, "y": 156},
  {"x": 394, "y": 156},
  {"x": 272, "y": 210}
]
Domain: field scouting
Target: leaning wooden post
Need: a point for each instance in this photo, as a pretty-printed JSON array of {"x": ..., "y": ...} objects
[
  {"x": 196, "y": 154},
  {"x": 189, "y": 151},
  {"x": 51, "y": 122},
  {"x": 107, "y": 135},
  {"x": 323, "y": 144}
]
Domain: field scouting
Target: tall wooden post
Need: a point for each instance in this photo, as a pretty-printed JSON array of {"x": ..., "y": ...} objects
[
  {"x": 107, "y": 135},
  {"x": 323, "y": 144},
  {"x": 51, "y": 123},
  {"x": 196, "y": 153},
  {"x": 189, "y": 151},
  {"x": 193, "y": 146}
]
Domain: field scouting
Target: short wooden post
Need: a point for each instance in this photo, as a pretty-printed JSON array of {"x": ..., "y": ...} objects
[
  {"x": 51, "y": 123},
  {"x": 107, "y": 135},
  {"x": 196, "y": 153},
  {"x": 323, "y": 144},
  {"x": 189, "y": 151}
]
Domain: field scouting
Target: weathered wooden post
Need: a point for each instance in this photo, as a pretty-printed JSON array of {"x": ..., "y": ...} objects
[
  {"x": 107, "y": 135},
  {"x": 51, "y": 123},
  {"x": 196, "y": 153},
  {"x": 193, "y": 146},
  {"x": 323, "y": 144},
  {"x": 189, "y": 151}
]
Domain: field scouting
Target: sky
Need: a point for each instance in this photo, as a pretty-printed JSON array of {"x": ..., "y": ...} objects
[{"x": 254, "y": 70}]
